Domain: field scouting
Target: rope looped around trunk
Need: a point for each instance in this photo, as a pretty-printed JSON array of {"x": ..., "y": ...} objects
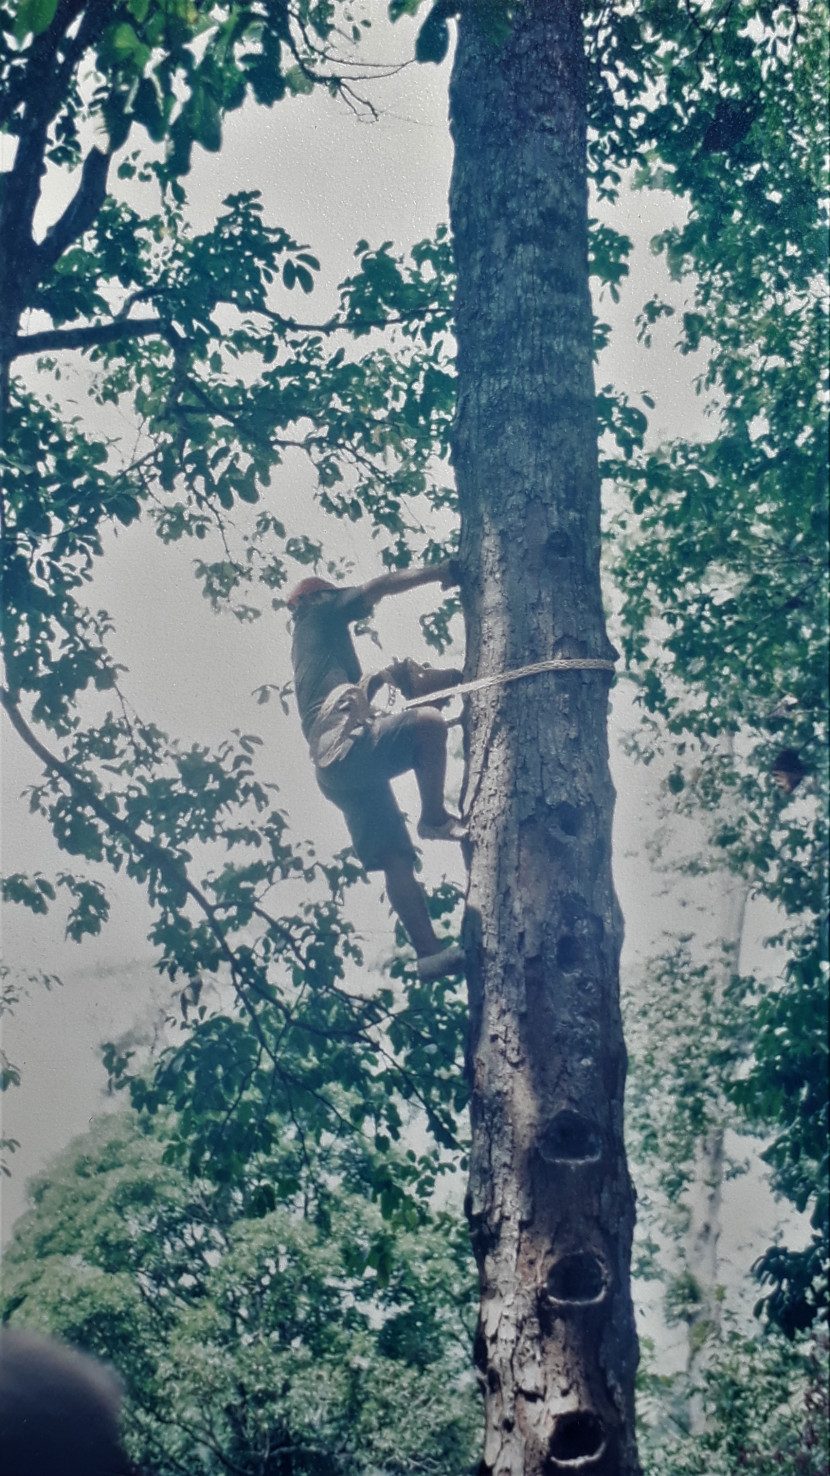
[{"x": 559, "y": 663}]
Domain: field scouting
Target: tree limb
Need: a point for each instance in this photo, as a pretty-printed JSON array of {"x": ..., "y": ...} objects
[
  {"x": 345, "y": 323},
  {"x": 93, "y": 336},
  {"x": 79, "y": 214},
  {"x": 168, "y": 862},
  {"x": 45, "y": 81},
  {"x": 97, "y": 334}
]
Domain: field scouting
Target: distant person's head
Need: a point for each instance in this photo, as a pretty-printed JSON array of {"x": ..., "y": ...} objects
[
  {"x": 59, "y": 1410},
  {"x": 306, "y": 587}
]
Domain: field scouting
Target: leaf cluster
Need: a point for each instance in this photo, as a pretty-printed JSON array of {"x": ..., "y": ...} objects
[
  {"x": 721, "y": 551},
  {"x": 273, "y": 1316},
  {"x": 765, "y": 1407},
  {"x": 171, "y": 67}
]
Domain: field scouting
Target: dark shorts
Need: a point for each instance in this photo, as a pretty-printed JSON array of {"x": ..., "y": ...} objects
[{"x": 359, "y": 785}]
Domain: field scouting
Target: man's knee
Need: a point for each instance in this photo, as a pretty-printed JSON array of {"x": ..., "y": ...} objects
[{"x": 430, "y": 730}]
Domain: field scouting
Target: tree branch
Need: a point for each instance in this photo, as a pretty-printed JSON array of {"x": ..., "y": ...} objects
[
  {"x": 79, "y": 214},
  {"x": 345, "y": 323},
  {"x": 93, "y": 336},
  {"x": 168, "y": 862},
  {"x": 46, "y": 77},
  {"x": 96, "y": 334}
]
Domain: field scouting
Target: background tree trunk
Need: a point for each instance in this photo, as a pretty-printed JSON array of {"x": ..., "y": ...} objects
[
  {"x": 550, "y": 1203},
  {"x": 705, "y": 1199}
]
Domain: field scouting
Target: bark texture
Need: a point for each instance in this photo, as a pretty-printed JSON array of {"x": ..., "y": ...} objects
[{"x": 550, "y": 1203}]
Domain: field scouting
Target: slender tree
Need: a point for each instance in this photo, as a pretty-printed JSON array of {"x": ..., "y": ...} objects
[{"x": 550, "y": 1204}]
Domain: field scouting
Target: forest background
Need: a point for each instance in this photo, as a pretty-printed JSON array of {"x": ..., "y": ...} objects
[{"x": 734, "y": 676}]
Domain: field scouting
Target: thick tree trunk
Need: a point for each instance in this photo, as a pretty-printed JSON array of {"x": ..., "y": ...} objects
[{"x": 550, "y": 1203}]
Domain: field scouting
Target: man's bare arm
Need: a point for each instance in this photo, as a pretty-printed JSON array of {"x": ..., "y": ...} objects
[{"x": 398, "y": 581}]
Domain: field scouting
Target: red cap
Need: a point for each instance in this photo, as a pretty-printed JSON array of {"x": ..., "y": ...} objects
[{"x": 307, "y": 587}]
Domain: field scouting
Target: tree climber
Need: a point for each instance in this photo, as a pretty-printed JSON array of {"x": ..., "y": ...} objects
[{"x": 356, "y": 751}]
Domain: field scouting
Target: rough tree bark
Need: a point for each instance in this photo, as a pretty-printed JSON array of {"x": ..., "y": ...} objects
[{"x": 550, "y": 1203}]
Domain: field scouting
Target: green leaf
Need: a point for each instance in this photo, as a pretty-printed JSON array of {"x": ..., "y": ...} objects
[
  {"x": 433, "y": 40},
  {"x": 297, "y": 81},
  {"x": 34, "y": 893},
  {"x": 121, "y": 44},
  {"x": 207, "y": 123},
  {"x": 122, "y": 39},
  {"x": 148, "y": 110},
  {"x": 34, "y": 17}
]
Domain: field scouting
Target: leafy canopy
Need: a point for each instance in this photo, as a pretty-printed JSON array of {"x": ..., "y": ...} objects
[
  {"x": 720, "y": 553},
  {"x": 274, "y": 1318}
]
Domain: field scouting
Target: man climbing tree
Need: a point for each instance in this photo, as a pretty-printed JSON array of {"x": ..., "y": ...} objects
[
  {"x": 549, "y": 1203},
  {"x": 169, "y": 315},
  {"x": 356, "y": 751}
]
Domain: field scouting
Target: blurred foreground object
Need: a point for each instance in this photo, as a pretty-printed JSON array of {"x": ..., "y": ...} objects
[{"x": 59, "y": 1410}]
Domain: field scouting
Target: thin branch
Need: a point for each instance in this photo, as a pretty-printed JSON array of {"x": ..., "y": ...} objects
[
  {"x": 246, "y": 1082},
  {"x": 276, "y": 926},
  {"x": 340, "y": 324},
  {"x": 22, "y": 190},
  {"x": 97, "y": 334},
  {"x": 431, "y": 1112},
  {"x": 92, "y": 336},
  {"x": 47, "y": 77},
  {"x": 204, "y": 1435},
  {"x": 168, "y": 862}
]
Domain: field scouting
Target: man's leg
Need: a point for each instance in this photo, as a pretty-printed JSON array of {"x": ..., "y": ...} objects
[
  {"x": 407, "y": 900},
  {"x": 416, "y": 741},
  {"x": 431, "y": 765}
]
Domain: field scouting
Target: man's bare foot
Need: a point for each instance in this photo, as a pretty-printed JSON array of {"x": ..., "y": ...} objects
[
  {"x": 450, "y": 828},
  {"x": 449, "y": 960}
]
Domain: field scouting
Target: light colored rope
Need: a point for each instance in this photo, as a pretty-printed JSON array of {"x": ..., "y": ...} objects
[{"x": 560, "y": 663}]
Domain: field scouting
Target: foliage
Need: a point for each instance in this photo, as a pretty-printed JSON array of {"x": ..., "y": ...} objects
[
  {"x": 787, "y": 1085},
  {"x": 273, "y": 1322},
  {"x": 721, "y": 553},
  {"x": 15, "y": 986},
  {"x": 172, "y": 67},
  {"x": 196, "y": 339},
  {"x": 188, "y": 336},
  {"x": 766, "y": 1403},
  {"x": 679, "y": 1076}
]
